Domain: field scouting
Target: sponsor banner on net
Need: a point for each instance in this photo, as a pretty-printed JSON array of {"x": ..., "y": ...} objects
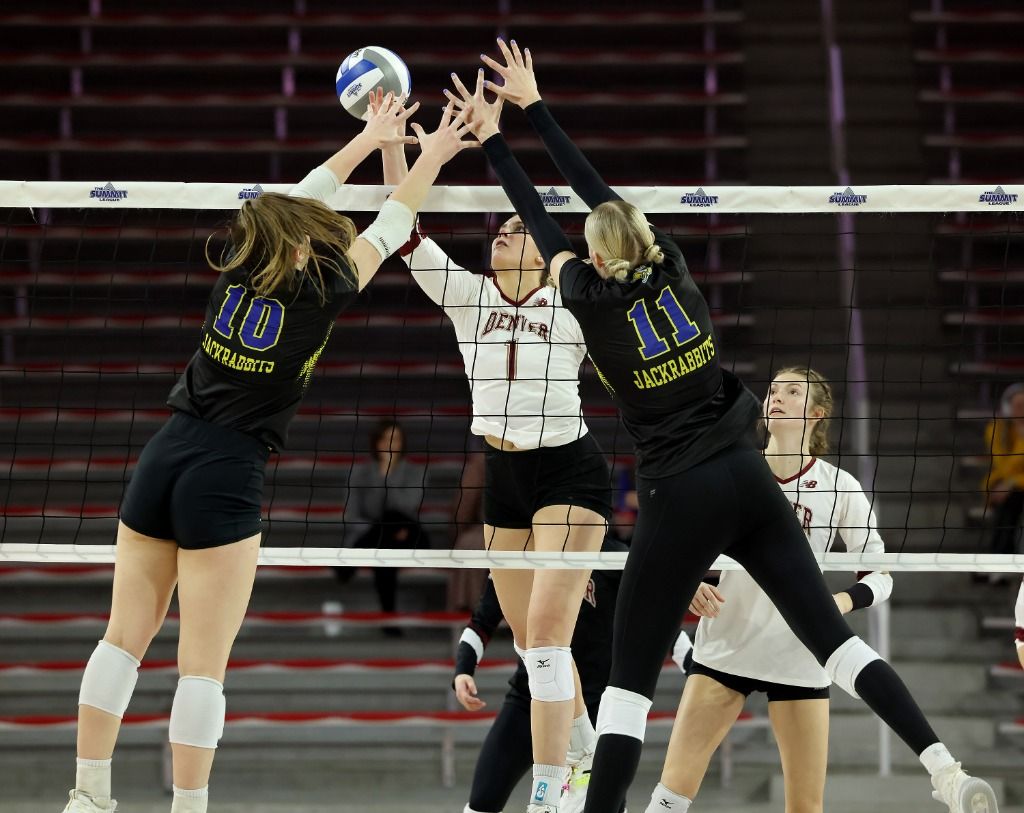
[
  {"x": 552, "y": 198},
  {"x": 847, "y": 198},
  {"x": 699, "y": 199},
  {"x": 108, "y": 192},
  {"x": 250, "y": 192},
  {"x": 998, "y": 197}
]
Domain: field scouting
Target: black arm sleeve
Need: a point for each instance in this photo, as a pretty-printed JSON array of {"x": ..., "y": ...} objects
[
  {"x": 545, "y": 231},
  {"x": 571, "y": 162},
  {"x": 860, "y": 595},
  {"x": 486, "y": 617}
]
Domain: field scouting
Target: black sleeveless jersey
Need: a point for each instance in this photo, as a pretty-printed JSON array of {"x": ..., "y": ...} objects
[
  {"x": 257, "y": 354},
  {"x": 654, "y": 347}
]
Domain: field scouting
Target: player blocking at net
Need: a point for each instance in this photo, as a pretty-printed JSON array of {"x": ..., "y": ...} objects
[
  {"x": 547, "y": 484},
  {"x": 191, "y": 514},
  {"x": 743, "y": 645},
  {"x": 704, "y": 488}
]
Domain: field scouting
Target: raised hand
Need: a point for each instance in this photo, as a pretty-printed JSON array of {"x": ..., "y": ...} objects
[
  {"x": 447, "y": 140},
  {"x": 520, "y": 84},
  {"x": 388, "y": 118},
  {"x": 482, "y": 116}
]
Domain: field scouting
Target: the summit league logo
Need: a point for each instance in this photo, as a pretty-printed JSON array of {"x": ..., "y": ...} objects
[
  {"x": 552, "y": 198},
  {"x": 997, "y": 197},
  {"x": 847, "y": 198},
  {"x": 700, "y": 198},
  {"x": 108, "y": 192},
  {"x": 250, "y": 192}
]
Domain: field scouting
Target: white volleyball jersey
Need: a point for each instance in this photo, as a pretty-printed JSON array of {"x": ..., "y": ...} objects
[
  {"x": 1019, "y": 617},
  {"x": 749, "y": 637},
  {"x": 522, "y": 358}
]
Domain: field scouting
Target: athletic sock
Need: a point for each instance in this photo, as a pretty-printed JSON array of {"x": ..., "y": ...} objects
[
  {"x": 547, "y": 784},
  {"x": 582, "y": 738},
  {"x": 190, "y": 801},
  {"x": 887, "y": 696},
  {"x": 665, "y": 801},
  {"x": 936, "y": 758},
  {"x": 615, "y": 763},
  {"x": 92, "y": 776}
]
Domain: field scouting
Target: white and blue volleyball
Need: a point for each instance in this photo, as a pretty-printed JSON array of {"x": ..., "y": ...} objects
[{"x": 365, "y": 70}]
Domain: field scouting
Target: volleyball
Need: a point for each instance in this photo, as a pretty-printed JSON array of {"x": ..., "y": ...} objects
[{"x": 366, "y": 69}]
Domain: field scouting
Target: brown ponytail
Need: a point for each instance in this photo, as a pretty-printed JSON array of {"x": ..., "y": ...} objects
[{"x": 269, "y": 231}]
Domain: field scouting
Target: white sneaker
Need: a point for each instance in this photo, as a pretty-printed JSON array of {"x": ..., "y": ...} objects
[
  {"x": 531, "y": 808},
  {"x": 963, "y": 793},
  {"x": 575, "y": 795},
  {"x": 81, "y": 802}
]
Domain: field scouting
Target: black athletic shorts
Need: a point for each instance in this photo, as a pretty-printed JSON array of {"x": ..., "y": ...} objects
[
  {"x": 198, "y": 484},
  {"x": 518, "y": 484},
  {"x": 746, "y": 686}
]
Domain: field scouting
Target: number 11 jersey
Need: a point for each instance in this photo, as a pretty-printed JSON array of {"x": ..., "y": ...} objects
[
  {"x": 653, "y": 344},
  {"x": 522, "y": 357}
]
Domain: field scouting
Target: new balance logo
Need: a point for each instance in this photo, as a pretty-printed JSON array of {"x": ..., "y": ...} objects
[
  {"x": 847, "y": 198},
  {"x": 809, "y": 484},
  {"x": 552, "y": 198},
  {"x": 108, "y": 192}
]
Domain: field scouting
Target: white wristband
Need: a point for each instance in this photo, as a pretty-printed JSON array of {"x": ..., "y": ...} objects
[
  {"x": 319, "y": 184},
  {"x": 390, "y": 231}
]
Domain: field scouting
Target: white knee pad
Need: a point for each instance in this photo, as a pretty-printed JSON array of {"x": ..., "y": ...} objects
[
  {"x": 550, "y": 671},
  {"x": 109, "y": 679},
  {"x": 197, "y": 714},
  {"x": 519, "y": 651},
  {"x": 848, "y": 661},
  {"x": 623, "y": 713}
]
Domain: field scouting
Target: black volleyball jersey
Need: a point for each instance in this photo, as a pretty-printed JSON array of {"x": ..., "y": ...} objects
[
  {"x": 257, "y": 354},
  {"x": 654, "y": 347}
]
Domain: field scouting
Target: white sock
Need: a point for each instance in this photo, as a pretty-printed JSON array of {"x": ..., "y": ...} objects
[
  {"x": 190, "y": 801},
  {"x": 936, "y": 757},
  {"x": 665, "y": 801},
  {"x": 582, "y": 738},
  {"x": 92, "y": 776},
  {"x": 547, "y": 784}
]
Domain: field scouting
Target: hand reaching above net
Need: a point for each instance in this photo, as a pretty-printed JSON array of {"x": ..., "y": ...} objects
[
  {"x": 388, "y": 118},
  {"x": 482, "y": 116},
  {"x": 519, "y": 82}
]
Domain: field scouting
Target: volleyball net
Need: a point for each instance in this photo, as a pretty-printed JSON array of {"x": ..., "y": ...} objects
[{"x": 909, "y": 299}]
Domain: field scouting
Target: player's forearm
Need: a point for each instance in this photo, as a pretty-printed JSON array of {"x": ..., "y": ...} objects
[
  {"x": 396, "y": 167},
  {"x": 545, "y": 231},
  {"x": 569, "y": 159},
  {"x": 413, "y": 188},
  {"x": 345, "y": 160}
]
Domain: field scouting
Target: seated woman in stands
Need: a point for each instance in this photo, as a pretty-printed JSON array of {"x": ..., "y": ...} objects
[
  {"x": 385, "y": 495},
  {"x": 1004, "y": 485}
]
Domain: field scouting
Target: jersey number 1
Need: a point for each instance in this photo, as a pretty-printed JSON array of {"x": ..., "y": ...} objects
[
  {"x": 683, "y": 328},
  {"x": 262, "y": 325}
]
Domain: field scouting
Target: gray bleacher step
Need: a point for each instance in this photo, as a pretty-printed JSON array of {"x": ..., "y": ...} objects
[
  {"x": 937, "y": 687},
  {"x": 912, "y": 791},
  {"x": 853, "y": 737}
]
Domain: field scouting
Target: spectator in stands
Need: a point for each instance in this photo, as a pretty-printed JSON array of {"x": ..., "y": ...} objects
[
  {"x": 384, "y": 499},
  {"x": 465, "y": 583},
  {"x": 1004, "y": 485}
]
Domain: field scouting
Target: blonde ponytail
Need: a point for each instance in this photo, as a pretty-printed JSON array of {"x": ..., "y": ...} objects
[{"x": 619, "y": 232}]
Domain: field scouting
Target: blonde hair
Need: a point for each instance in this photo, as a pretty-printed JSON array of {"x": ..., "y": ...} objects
[
  {"x": 819, "y": 394},
  {"x": 619, "y": 232},
  {"x": 270, "y": 230}
]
